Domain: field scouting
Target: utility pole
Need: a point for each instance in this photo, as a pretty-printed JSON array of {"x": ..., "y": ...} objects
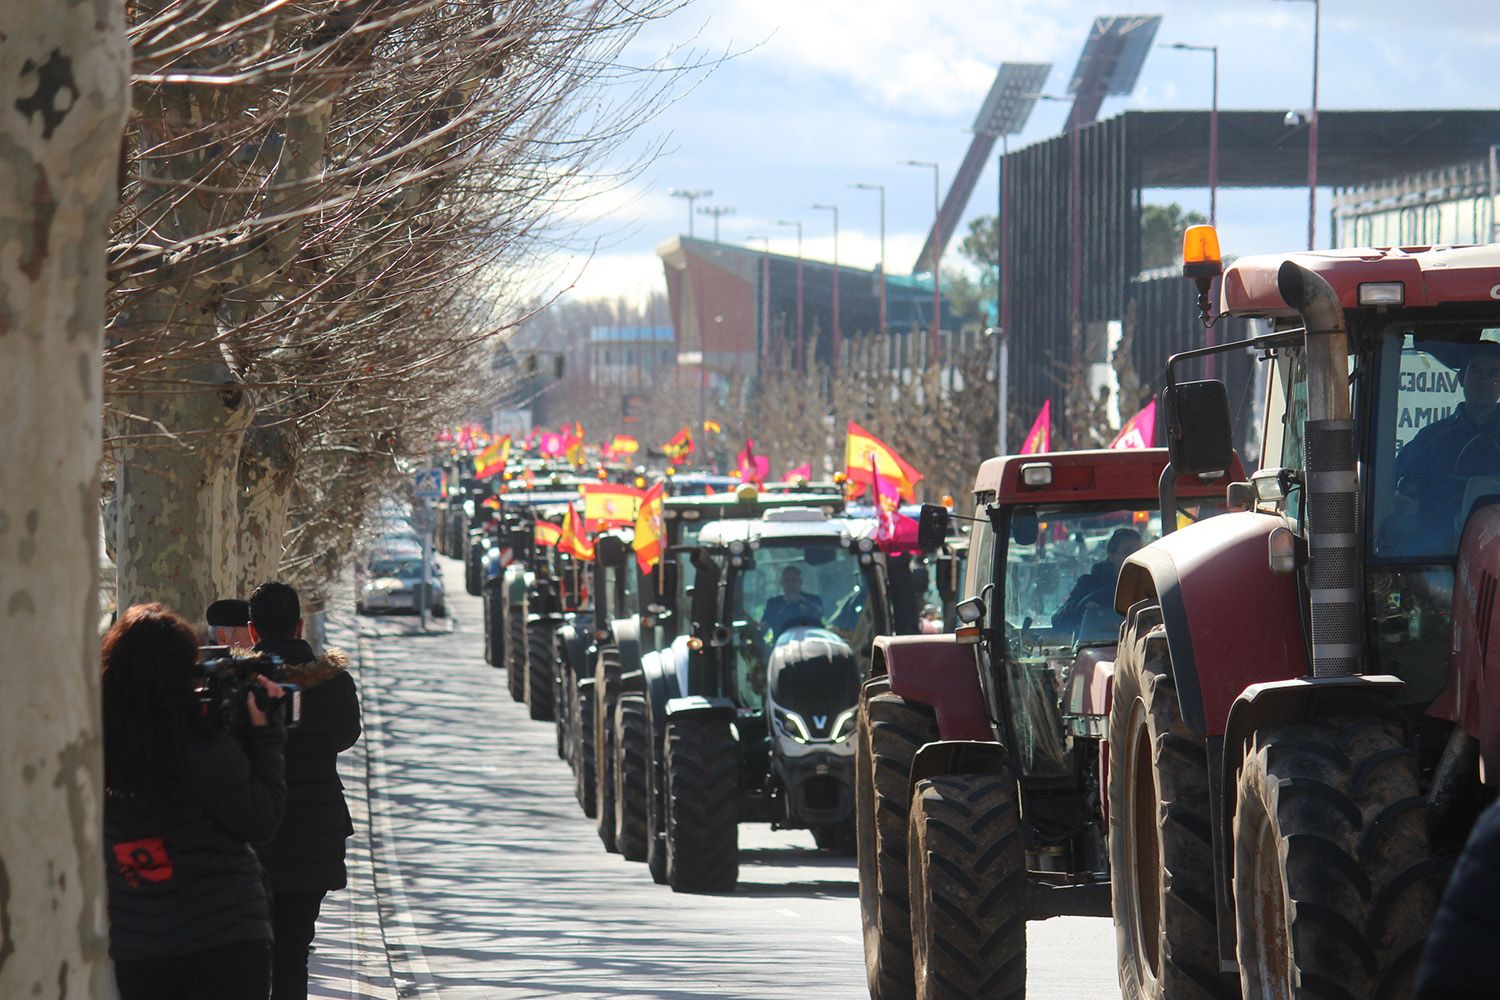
[
  {"x": 690, "y": 195},
  {"x": 837, "y": 339},
  {"x": 881, "y": 189},
  {"x": 765, "y": 296},
  {"x": 798, "y": 225}
]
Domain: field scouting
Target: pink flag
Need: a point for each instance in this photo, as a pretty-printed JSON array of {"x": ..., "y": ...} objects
[
  {"x": 552, "y": 445},
  {"x": 753, "y": 468},
  {"x": 1039, "y": 438},
  {"x": 803, "y": 471},
  {"x": 1139, "y": 431}
]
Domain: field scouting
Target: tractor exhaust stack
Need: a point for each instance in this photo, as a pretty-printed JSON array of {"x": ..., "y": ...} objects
[{"x": 1335, "y": 568}]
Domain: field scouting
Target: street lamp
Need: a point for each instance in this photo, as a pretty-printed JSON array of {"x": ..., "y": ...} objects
[
  {"x": 881, "y": 188},
  {"x": 690, "y": 195},
  {"x": 937, "y": 294},
  {"x": 765, "y": 296},
  {"x": 716, "y": 212},
  {"x": 837, "y": 341},
  {"x": 1312, "y": 132},
  {"x": 798, "y": 225},
  {"x": 1213, "y": 129}
]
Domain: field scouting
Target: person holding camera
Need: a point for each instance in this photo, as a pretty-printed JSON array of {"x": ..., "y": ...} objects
[
  {"x": 184, "y": 800},
  {"x": 305, "y": 860}
]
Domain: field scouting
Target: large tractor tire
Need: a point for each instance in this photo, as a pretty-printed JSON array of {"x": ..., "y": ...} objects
[
  {"x": 1334, "y": 882},
  {"x": 1161, "y": 841},
  {"x": 474, "y": 569},
  {"x": 631, "y": 794},
  {"x": 702, "y": 805},
  {"x": 515, "y": 651},
  {"x": 890, "y": 732},
  {"x": 967, "y": 888},
  {"x": 656, "y": 812},
  {"x": 836, "y": 838},
  {"x": 606, "y": 694},
  {"x": 582, "y": 747},
  {"x": 494, "y": 625},
  {"x": 541, "y": 679},
  {"x": 561, "y": 685}
]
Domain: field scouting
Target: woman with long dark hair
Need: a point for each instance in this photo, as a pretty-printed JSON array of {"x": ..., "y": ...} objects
[{"x": 183, "y": 802}]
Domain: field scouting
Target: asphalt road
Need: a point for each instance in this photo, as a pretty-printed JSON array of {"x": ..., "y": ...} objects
[{"x": 493, "y": 885}]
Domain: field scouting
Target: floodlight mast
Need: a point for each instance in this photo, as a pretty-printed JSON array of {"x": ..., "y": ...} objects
[
  {"x": 798, "y": 225},
  {"x": 765, "y": 296},
  {"x": 689, "y": 195},
  {"x": 881, "y": 188},
  {"x": 837, "y": 339},
  {"x": 934, "y": 329}
]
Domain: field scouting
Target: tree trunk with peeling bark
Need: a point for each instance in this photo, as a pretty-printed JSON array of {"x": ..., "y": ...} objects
[
  {"x": 64, "y": 82},
  {"x": 269, "y": 460}
]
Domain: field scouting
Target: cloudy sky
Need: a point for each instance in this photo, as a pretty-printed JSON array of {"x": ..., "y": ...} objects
[{"x": 818, "y": 94}]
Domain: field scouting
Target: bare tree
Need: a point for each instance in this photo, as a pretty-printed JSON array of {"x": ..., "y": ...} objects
[
  {"x": 325, "y": 201},
  {"x": 63, "y": 99}
]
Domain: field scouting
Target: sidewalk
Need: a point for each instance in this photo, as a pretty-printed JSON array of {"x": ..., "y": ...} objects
[{"x": 352, "y": 954}]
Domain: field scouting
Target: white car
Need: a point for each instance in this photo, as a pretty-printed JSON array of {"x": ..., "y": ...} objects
[{"x": 391, "y": 580}]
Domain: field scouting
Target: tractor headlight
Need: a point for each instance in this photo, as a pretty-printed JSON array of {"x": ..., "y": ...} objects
[{"x": 792, "y": 725}]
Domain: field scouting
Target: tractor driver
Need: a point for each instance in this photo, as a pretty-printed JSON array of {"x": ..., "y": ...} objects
[
  {"x": 793, "y": 606},
  {"x": 1096, "y": 588},
  {"x": 1466, "y": 443}
]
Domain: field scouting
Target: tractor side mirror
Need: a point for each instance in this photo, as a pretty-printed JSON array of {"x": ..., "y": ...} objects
[
  {"x": 970, "y": 612},
  {"x": 1198, "y": 434},
  {"x": 932, "y": 526}
]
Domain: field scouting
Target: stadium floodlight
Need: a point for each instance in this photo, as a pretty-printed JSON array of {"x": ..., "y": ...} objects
[
  {"x": 1114, "y": 54},
  {"x": 1011, "y": 98}
]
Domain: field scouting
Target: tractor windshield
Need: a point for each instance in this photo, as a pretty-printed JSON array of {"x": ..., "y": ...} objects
[
  {"x": 1437, "y": 437},
  {"x": 795, "y": 582},
  {"x": 1435, "y": 423}
]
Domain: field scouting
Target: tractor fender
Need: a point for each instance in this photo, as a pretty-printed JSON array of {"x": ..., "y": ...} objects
[
  {"x": 940, "y": 672},
  {"x": 958, "y": 757},
  {"x": 1473, "y": 674},
  {"x": 660, "y": 675},
  {"x": 577, "y": 641},
  {"x": 1230, "y": 621},
  {"x": 696, "y": 706},
  {"x": 517, "y": 582},
  {"x": 1275, "y": 702},
  {"x": 628, "y": 641}
]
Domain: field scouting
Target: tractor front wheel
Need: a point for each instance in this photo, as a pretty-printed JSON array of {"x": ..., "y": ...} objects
[
  {"x": 515, "y": 651},
  {"x": 702, "y": 805},
  {"x": 630, "y": 776},
  {"x": 607, "y": 695},
  {"x": 1161, "y": 842},
  {"x": 967, "y": 888},
  {"x": 1334, "y": 881},
  {"x": 539, "y": 670},
  {"x": 890, "y": 732},
  {"x": 582, "y": 748}
]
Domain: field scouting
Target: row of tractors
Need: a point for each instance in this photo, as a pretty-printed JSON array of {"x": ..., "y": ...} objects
[
  {"x": 716, "y": 687},
  {"x": 1262, "y": 751},
  {"x": 1248, "y": 717}
]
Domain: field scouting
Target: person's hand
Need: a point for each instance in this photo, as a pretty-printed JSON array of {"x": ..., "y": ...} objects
[{"x": 273, "y": 691}]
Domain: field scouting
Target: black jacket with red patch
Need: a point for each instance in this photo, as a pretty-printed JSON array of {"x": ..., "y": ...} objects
[
  {"x": 307, "y": 853},
  {"x": 182, "y": 876}
]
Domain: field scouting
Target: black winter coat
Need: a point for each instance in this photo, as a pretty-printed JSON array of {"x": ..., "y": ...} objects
[
  {"x": 182, "y": 877},
  {"x": 1461, "y": 949},
  {"x": 307, "y": 853}
]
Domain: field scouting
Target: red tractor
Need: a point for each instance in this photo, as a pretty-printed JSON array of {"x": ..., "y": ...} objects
[
  {"x": 978, "y": 755},
  {"x": 1304, "y": 721}
]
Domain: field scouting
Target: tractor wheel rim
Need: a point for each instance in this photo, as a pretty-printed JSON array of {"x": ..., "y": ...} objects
[
  {"x": 1270, "y": 963},
  {"x": 1145, "y": 849}
]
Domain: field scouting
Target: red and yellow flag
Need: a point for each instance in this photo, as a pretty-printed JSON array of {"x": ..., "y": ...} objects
[
  {"x": 865, "y": 455},
  {"x": 1039, "y": 438},
  {"x": 608, "y": 505},
  {"x": 491, "y": 461},
  {"x": 573, "y": 540},
  {"x": 680, "y": 447},
  {"x": 648, "y": 530},
  {"x": 712, "y": 427},
  {"x": 624, "y": 444},
  {"x": 546, "y": 533}
]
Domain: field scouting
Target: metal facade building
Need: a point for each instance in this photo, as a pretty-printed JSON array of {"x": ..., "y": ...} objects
[{"x": 1056, "y": 302}]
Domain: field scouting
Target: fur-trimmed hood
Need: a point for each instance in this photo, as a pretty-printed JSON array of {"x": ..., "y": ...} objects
[{"x": 332, "y": 663}]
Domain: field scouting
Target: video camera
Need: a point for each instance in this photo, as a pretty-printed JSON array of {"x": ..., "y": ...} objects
[{"x": 228, "y": 678}]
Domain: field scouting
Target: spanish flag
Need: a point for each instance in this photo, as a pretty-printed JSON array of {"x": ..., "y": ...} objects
[
  {"x": 648, "y": 530},
  {"x": 624, "y": 444},
  {"x": 712, "y": 427},
  {"x": 608, "y": 505},
  {"x": 1039, "y": 438},
  {"x": 573, "y": 541},
  {"x": 865, "y": 455},
  {"x": 680, "y": 447},
  {"x": 546, "y": 533},
  {"x": 491, "y": 461}
]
